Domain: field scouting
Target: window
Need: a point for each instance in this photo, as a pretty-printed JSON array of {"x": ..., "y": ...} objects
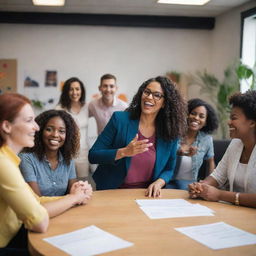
[{"x": 248, "y": 42}]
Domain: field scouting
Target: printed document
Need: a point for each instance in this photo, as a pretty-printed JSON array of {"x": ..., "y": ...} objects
[
  {"x": 87, "y": 241},
  {"x": 218, "y": 235},
  {"x": 172, "y": 208}
]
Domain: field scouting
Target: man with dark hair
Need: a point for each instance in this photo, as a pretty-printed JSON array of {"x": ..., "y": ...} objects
[{"x": 102, "y": 109}]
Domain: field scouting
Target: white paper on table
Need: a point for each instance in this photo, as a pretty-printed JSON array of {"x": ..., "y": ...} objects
[
  {"x": 162, "y": 202},
  {"x": 218, "y": 235},
  {"x": 176, "y": 212},
  {"x": 88, "y": 241}
]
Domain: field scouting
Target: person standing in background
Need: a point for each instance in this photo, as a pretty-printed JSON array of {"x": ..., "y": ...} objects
[
  {"x": 72, "y": 100},
  {"x": 103, "y": 108}
]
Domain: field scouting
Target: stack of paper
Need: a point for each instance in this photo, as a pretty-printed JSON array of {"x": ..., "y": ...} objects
[
  {"x": 172, "y": 208},
  {"x": 88, "y": 241}
]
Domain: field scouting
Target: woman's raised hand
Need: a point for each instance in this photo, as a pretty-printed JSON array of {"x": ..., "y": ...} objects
[{"x": 133, "y": 148}]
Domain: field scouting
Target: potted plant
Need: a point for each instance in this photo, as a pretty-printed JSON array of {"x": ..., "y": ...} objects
[{"x": 247, "y": 74}]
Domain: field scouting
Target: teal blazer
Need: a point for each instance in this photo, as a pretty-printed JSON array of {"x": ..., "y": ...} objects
[{"x": 118, "y": 133}]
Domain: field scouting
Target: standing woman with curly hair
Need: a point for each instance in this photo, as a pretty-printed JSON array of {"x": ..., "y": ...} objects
[
  {"x": 48, "y": 166},
  {"x": 137, "y": 148},
  {"x": 197, "y": 144},
  {"x": 72, "y": 100}
]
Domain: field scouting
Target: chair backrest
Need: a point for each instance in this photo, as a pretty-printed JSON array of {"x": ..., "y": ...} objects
[{"x": 220, "y": 147}]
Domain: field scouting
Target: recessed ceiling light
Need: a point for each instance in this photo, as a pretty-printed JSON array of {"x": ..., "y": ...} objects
[
  {"x": 49, "y": 2},
  {"x": 184, "y": 2}
]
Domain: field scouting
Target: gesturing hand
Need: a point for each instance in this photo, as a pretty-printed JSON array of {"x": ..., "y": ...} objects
[{"x": 133, "y": 148}]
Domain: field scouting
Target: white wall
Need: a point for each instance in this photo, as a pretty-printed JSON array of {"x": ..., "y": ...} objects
[{"x": 132, "y": 54}]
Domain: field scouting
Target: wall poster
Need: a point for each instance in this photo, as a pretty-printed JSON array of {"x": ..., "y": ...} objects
[{"x": 8, "y": 75}]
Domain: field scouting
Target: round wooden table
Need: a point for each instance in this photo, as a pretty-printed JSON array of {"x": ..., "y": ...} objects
[{"x": 116, "y": 212}]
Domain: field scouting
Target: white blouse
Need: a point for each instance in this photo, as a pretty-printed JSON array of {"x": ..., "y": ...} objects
[{"x": 81, "y": 119}]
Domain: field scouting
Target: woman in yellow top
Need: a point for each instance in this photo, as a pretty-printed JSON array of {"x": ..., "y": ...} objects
[{"x": 18, "y": 203}]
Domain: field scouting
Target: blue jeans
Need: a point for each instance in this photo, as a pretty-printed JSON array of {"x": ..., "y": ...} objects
[{"x": 179, "y": 184}]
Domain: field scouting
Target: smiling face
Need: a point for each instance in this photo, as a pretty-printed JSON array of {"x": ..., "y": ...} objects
[
  {"x": 21, "y": 132},
  {"x": 197, "y": 118},
  {"x": 75, "y": 92},
  {"x": 152, "y": 99},
  {"x": 108, "y": 89},
  {"x": 239, "y": 125},
  {"x": 54, "y": 134}
]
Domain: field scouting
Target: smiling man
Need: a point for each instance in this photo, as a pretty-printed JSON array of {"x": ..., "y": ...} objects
[{"x": 103, "y": 108}]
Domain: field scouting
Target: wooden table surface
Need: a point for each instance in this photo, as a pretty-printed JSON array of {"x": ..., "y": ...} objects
[{"x": 116, "y": 212}]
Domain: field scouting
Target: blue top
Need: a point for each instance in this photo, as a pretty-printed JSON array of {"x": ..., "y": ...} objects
[
  {"x": 205, "y": 151},
  {"x": 50, "y": 182},
  {"x": 118, "y": 133}
]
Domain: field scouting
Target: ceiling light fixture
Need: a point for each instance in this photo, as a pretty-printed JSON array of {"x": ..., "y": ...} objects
[
  {"x": 49, "y": 2},
  {"x": 184, "y": 2}
]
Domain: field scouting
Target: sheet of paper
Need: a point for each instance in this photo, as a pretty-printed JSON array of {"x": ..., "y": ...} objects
[
  {"x": 162, "y": 202},
  {"x": 88, "y": 241},
  {"x": 176, "y": 212},
  {"x": 218, "y": 235},
  {"x": 172, "y": 208}
]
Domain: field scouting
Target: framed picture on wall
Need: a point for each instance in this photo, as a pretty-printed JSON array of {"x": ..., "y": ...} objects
[
  {"x": 8, "y": 75},
  {"x": 51, "y": 78}
]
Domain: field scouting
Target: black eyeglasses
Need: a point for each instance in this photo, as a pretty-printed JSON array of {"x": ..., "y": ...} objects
[{"x": 155, "y": 95}]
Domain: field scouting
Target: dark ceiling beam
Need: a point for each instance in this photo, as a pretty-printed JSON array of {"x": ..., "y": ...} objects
[{"x": 180, "y": 22}]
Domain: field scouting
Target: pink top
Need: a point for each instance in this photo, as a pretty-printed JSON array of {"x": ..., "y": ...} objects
[
  {"x": 102, "y": 113},
  {"x": 142, "y": 165}
]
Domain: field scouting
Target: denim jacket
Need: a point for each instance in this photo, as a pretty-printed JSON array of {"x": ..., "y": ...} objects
[{"x": 204, "y": 144}]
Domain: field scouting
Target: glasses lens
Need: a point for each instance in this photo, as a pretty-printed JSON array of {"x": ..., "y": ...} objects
[
  {"x": 147, "y": 92},
  {"x": 157, "y": 96}
]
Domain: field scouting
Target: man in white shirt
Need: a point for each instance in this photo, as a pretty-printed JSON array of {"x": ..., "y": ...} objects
[{"x": 102, "y": 109}]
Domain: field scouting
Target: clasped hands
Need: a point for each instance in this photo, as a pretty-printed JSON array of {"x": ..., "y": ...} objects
[
  {"x": 187, "y": 150},
  {"x": 82, "y": 190},
  {"x": 203, "y": 190}
]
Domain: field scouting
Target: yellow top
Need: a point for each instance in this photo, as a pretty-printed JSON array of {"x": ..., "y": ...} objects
[{"x": 18, "y": 203}]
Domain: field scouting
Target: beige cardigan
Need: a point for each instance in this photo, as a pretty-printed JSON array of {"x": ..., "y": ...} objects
[{"x": 227, "y": 167}]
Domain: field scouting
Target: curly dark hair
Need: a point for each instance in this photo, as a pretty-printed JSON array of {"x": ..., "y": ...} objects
[
  {"x": 212, "y": 121},
  {"x": 72, "y": 142},
  {"x": 171, "y": 119},
  {"x": 246, "y": 101},
  {"x": 65, "y": 101}
]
